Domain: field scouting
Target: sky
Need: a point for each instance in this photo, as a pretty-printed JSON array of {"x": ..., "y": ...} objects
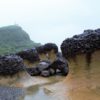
[{"x": 51, "y": 20}]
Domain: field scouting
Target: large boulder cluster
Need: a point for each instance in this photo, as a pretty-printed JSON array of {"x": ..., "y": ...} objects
[
  {"x": 29, "y": 54},
  {"x": 10, "y": 64},
  {"x": 87, "y": 42},
  {"x": 46, "y": 48},
  {"x": 47, "y": 68}
]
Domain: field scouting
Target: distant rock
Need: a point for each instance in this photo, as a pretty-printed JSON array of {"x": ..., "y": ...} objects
[
  {"x": 47, "y": 48},
  {"x": 43, "y": 65}
]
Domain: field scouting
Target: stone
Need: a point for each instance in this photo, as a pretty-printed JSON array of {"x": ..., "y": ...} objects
[
  {"x": 45, "y": 73},
  {"x": 43, "y": 65}
]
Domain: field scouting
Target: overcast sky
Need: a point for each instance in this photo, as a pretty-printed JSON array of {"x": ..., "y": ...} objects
[{"x": 51, "y": 20}]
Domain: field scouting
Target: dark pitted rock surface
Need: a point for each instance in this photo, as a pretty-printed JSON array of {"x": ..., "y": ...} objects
[
  {"x": 30, "y": 55},
  {"x": 87, "y": 42},
  {"x": 10, "y": 64},
  {"x": 11, "y": 93},
  {"x": 47, "y": 48}
]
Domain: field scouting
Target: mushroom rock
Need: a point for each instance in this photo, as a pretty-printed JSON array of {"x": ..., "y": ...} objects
[
  {"x": 29, "y": 54},
  {"x": 11, "y": 64}
]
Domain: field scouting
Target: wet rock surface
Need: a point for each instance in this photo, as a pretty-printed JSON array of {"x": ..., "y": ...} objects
[
  {"x": 29, "y": 54},
  {"x": 87, "y": 42},
  {"x": 11, "y": 93},
  {"x": 47, "y": 47},
  {"x": 10, "y": 64}
]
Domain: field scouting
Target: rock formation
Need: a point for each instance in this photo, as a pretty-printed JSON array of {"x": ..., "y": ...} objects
[
  {"x": 10, "y": 64},
  {"x": 84, "y": 43}
]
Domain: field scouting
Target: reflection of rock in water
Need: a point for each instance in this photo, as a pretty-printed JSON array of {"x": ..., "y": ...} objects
[
  {"x": 11, "y": 93},
  {"x": 47, "y": 91},
  {"x": 32, "y": 90}
]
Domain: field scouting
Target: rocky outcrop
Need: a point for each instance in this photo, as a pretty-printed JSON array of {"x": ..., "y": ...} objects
[
  {"x": 85, "y": 43},
  {"x": 10, "y": 64},
  {"x": 47, "y": 48},
  {"x": 29, "y": 54}
]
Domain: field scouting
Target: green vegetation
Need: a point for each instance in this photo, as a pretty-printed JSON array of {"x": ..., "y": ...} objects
[{"x": 13, "y": 39}]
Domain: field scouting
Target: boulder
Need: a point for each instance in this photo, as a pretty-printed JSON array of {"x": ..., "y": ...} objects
[
  {"x": 43, "y": 65},
  {"x": 45, "y": 73},
  {"x": 29, "y": 54},
  {"x": 10, "y": 64}
]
